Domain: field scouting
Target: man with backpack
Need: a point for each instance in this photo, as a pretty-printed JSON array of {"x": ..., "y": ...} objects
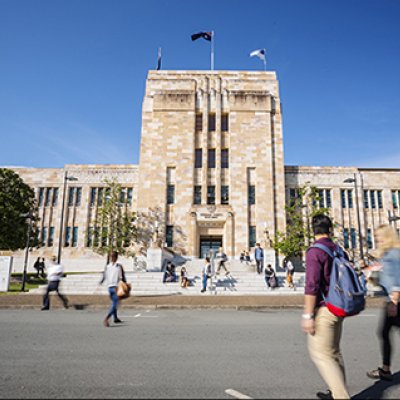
[{"x": 324, "y": 329}]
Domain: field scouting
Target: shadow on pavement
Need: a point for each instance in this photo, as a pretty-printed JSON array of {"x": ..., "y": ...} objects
[{"x": 377, "y": 390}]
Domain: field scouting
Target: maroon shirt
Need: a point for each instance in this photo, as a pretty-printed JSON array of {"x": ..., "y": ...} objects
[{"x": 318, "y": 270}]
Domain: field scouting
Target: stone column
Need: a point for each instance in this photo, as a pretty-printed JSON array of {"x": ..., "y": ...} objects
[
  {"x": 230, "y": 236},
  {"x": 193, "y": 234}
]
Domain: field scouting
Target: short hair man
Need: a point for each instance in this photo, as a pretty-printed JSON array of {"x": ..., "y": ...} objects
[
  {"x": 259, "y": 257},
  {"x": 323, "y": 328}
]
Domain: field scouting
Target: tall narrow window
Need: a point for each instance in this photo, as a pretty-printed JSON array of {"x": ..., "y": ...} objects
[
  {"x": 71, "y": 196},
  {"x": 394, "y": 199},
  {"x": 380, "y": 203},
  {"x": 75, "y": 236},
  {"x": 251, "y": 195},
  {"x": 44, "y": 236},
  {"x": 96, "y": 236},
  {"x": 211, "y": 122},
  {"x": 92, "y": 196},
  {"x": 328, "y": 198},
  {"x": 104, "y": 236},
  {"x": 372, "y": 198},
  {"x": 198, "y": 158},
  {"x": 100, "y": 196},
  {"x": 210, "y": 194},
  {"x": 50, "y": 242},
  {"x": 353, "y": 238},
  {"x": 122, "y": 195},
  {"x": 67, "y": 236},
  {"x": 197, "y": 195},
  {"x": 225, "y": 158},
  {"x": 350, "y": 198},
  {"x": 321, "y": 198},
  {"x": 366, "y": 203},
  {"x": 48, "y": 195},
  {"x": 211, "y": 158},
  {"x": 343, "y": 198},
  {"x": 224, "y": 122},
  {"x": 89, "y": 242},
  {"x": 199, "y": 122},
  {"x": 40, "y": 196},
  {"x": 55, "y": 196},
  {"x": 170, "y": 194},
  {"x": 169, "y": 235},
  {"x": 292, "y": 196},
  {"x": 78, "y": 197},
  {"x": 129, "y": 196},
  {"x": 369, "y": 239},
  {"x": 224, "y": 194},
  {"x": 346, "y": 238},
  {"x": 252, "y": 236}
]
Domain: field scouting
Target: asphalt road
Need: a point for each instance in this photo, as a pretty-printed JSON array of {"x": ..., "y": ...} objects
[{"x": 176, "y": 354}]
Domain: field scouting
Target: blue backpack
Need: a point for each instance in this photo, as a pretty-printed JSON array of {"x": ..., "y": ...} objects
[{"x": 347, "y": 291}]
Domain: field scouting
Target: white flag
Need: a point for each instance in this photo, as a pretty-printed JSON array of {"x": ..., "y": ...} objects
[{"x": 260, "y": 53}]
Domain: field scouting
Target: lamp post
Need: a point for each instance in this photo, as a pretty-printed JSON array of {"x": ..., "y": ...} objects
[
  {"x": 66, "y": 179},
  {"x": 29, "y": 216},
  {"x": 354, "y": 180}
]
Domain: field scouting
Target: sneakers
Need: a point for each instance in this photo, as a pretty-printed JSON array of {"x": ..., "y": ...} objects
[
  {"x": 118, "y": 321},
  {"x": 45, "y": 309},
  {"x": 325, "y": 395},
  {"x": 202, "y": 290},
  {"x": 380, "y": 374}
]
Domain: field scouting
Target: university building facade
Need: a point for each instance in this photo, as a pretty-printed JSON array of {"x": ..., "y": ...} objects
[{"x": 211, "y": 173}]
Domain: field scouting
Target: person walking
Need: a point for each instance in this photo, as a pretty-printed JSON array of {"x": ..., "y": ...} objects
[
  {"x": 324, "y": 329},
  {"x": 206, "y": 274},
  {"x": 54, "y": 274},
  {"x": 41, "y": 268},
  {"x": 113, "y": 273},
  {"x": 36, "y": 266},
  {"x": 259, "y": 257},
  {"x": 221, "y": 259},
  {"x": 388, "y": 249},
  {"x": 289, "y": 273}
]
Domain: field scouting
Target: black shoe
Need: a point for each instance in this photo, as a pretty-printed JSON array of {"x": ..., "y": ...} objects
[
  {"x": 202, "y": 290},
  {"x": 325, "y": 395},
  {"x": 45, "y": 309},
  {"x": 379, "y": 373},
  {"x": 118, "y": 321}
]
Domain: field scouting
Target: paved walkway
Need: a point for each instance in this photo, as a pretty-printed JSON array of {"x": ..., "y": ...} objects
[{"x": 29, "y": 301}]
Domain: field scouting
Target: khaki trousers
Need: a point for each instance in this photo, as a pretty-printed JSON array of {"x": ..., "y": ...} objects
[{"x": 324, "y": 349}]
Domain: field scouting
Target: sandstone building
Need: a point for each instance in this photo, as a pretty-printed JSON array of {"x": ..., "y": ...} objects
[{"x": 212, "y": 172}]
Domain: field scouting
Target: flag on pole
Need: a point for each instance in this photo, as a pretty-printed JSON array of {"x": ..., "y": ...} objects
[
  {"x": 260, "y": 53},
  {"x": 159, "y": 59},
  {"x": 204, "y": 35}
]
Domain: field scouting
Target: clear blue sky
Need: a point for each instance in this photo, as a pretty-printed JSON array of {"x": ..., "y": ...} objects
[{"x": 72, "y": 73}]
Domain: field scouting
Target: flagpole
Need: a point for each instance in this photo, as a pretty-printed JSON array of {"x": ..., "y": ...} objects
[
  {"x": 265, "y": 61},
  {"x": 212, "y": 50}
]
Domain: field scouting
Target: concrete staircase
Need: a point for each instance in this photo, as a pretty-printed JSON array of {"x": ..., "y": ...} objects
[{"x": 150, "y": 284}]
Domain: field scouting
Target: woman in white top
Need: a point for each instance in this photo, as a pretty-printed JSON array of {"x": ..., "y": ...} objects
[{"x": 112, "y": 274}]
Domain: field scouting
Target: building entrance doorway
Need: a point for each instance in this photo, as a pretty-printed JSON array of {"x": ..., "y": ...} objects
[{"x": 209, "y": 243}]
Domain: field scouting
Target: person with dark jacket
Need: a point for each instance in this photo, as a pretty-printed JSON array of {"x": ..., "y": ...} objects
[{"x": 323, "y": 328}]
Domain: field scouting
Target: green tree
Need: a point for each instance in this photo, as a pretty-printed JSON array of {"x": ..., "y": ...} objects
[
  {"x": 299, "y": 213},
  {"x": 16, "y": 199},
  {"x": 115, "y": 225}
]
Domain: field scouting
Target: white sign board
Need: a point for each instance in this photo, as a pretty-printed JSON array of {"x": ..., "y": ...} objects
[{"x": 5, "y": 272}]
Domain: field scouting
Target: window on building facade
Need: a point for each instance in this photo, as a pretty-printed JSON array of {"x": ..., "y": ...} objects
[
  {"x": 380, "y": 203},
  {"x": 55, "y": 196},
  {"x": 50, "y": 241},
  {"x": 324, "y": 196},
  {"x": 293, "y": 195},
  {"x": 346, "y": 238},
  {"x": 395, "y": 198},
  {"x": 197, "y": 195},
  {"x": 211, "y": 122},
  {"x": 350, "y": 198},
  {"x": 122, "y": 195},
  {"x": 251, "y": 194},
  {"x": 199, "y": 122},
  {"x": 366, "y": 202},
  {"x": 170, "y": 194},
  {"x": 96, "y": 236},
  {"x": 224, "y": 122},
  {"x": 40, "y": 196},
  {"x": 211, "y": 194},
  {"x": 343, "y": 198},
  {"x": 71, "y": 195},
  {"x": 372, "y": 198},
  {"x": 252, "y": 236},
  {"x": 224, "y": 194},
  {"x": 92, "y": 199},
  {"x": 47, "y": 197},
  {"x": 104, "y": 236},
  {"x": 129, "y": 196},
  {"x": 78, "y": 197},
  {"x": 100, "y": 193},
  {"x": 198, "y": 158},
  {"x": 44, "y": 236},
  {"x": 369, "y": 239},
  {"x": 75, "y": 236},
  {"x": 67, "y": 237},
  {"x": 89, "y": 241},
  {"x": 353, "y": 238},
  {"x": 169, "y": 235},
  {"x": 211, "y": 158},
  {"x": 224, "y": 158}
]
